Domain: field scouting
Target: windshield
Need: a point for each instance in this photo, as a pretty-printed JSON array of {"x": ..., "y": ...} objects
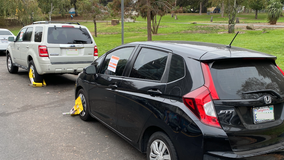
[
  {"x": 5, "y": 33},
  {"x": 235, "y": 79},
  {"x": 66, "y": 35}
]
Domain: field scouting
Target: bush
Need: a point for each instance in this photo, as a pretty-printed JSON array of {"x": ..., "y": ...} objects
[{"x": 274, "y": 9}]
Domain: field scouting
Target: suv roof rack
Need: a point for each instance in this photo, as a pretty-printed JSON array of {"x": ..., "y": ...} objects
[{"x": 48, "y": 22}]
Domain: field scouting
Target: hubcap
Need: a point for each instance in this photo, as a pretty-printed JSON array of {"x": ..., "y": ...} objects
[
  {"x": 9, "y": 63},
  {"x": 83, "y": 103},
  {"x": 159, "y": 151},
  {"x": 33, "y": 70}
]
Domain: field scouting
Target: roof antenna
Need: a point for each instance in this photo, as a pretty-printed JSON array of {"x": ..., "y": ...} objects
[{"x": 229, "y": 46}]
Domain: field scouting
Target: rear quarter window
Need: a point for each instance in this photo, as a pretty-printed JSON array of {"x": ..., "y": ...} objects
[{"x": 5, "y": 33}]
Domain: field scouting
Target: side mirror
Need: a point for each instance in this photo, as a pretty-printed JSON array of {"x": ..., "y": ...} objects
[
  {"x": 11, "y": 39},
  {"x": 90, "y": 70}
]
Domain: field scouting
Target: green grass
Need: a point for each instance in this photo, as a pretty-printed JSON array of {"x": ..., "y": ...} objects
[{"x": 271, "y": 42}]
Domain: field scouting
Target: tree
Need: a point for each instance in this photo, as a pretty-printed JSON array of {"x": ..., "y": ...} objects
[
  {"x": 274, "y": 10},
  {"x": 153, "y": 10},
  {"x": 54, "y": 6},
  {"x": 92, "y": 9},
  {"x": 257, "y": 5},
  {"x": 148, "y": 9}
]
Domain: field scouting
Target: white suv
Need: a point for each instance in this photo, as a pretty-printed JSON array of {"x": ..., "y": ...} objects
[{"x": 51, "y": 47}]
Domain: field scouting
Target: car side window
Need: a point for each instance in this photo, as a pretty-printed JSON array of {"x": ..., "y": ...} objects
[
  {"x": 38, "y": 34},
  {"x": 28, "y": 34},
  {"x": 98, "y": 62},
  {"x": 150, "y": 64},
  {"x": 176, "y": 68},
  {"x": 20, "y": 35},
  {"x": 116, "y": 61}
]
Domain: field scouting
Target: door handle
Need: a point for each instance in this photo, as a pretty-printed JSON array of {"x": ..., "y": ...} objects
[
  {"x": 154, "y": 92},
  {"x": 113, "y": 86},
  {"x": 27, "y": 47}
]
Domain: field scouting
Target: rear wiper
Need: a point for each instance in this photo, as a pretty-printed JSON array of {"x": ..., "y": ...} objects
[
  {"x": 79, "y": 42},
  {"x": 272, "y": 92}
]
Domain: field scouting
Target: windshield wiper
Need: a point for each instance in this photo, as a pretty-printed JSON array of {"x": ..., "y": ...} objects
[
  {"x": 79, "y": 42},
  {"x": 272, "y": 92}
]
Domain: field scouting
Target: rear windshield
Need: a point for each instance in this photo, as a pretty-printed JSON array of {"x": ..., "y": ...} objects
[
  {"x": 233, "y": 78},
  {"x": 67, "y": 35},
  {"x": 5, "y": 33}
]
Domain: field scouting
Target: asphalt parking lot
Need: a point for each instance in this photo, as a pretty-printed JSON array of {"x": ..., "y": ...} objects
[{"x": 33, "y": 126}]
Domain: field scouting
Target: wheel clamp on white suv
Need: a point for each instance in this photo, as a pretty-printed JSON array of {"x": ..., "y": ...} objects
[{"x": 47, "y": 47}]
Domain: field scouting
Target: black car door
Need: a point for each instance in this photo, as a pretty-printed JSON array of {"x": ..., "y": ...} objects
[
  {"x": 102, "y": 93},
  {"x": 141, "y": 92}
]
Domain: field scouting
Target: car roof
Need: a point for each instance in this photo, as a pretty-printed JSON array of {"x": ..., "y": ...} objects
[
  {"x": 205, "y": 51},
  {"x": 55, "y": 23}
]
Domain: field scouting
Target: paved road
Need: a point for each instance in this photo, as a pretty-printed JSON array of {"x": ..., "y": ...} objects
[{"x": 33, "y": 127}]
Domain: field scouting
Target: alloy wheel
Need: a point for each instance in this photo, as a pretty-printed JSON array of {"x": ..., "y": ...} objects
[
  {"x": 83, "y": 100},
  {"x": 159, "y": 151}
]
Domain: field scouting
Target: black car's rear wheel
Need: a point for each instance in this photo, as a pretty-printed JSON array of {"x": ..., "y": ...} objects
[
  {"x": 160, "y": 147},
  {"x": 11, "y": 68},
  {"x": 84, "y": 115}
]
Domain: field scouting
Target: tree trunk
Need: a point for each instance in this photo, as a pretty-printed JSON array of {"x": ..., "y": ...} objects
[
  {"x": 75, "y": 7},
  {"x": 256, "y": 14},
  {"x": 50, "y": 13},
  {"x": 231, "y": 28},
  {"x": 200, "y": 10},
  {"x": 95, "y": 27},
  {"x": 232, "y": 18},
  {"x": 223, "y": 9},
  {"x": 149, "y": 36}
]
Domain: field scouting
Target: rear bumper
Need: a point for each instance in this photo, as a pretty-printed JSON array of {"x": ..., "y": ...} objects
[
  {"x": 273, "y": 151},
  {"x": 62, "y": 68}
]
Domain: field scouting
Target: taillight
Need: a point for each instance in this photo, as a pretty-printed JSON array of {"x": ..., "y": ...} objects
[
  {"x": 42, "y": 50},
  {"x": 95, "y": 51},
  {"x": 67, "y": 26},
  {"x": 200, "y": 101},
  {"x": 280, "y": 70}
]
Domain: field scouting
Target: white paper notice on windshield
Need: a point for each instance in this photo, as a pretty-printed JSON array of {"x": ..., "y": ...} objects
[{"x": 113, "y": 63}]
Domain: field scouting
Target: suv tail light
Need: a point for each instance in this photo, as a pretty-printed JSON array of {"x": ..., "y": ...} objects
[
  {"x": 95, "y": 51},
  {"x": 200, "y": 101},
  {"x": 42, "y": 50}
]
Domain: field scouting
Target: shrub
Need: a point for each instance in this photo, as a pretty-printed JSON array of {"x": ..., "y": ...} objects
[{"x": 274, "y": 9}]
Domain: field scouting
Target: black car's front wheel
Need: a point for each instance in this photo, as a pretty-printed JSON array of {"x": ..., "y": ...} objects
[
  {"x": 160, "y": 147},
  {"x": 84, "y": 115}
]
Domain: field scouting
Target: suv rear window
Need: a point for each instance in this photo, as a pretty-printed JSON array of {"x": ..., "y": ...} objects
[
  {"x": 66, "y": 35},
  {"x": 5, "y": 33},
  {"x": 232, "y": 78}
]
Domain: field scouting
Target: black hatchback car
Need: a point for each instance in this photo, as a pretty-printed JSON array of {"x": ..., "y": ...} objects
[{"x": 187, "y": 100}]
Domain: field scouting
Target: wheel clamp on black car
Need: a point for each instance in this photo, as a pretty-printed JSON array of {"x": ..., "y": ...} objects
[{"x": 77, "y": 109}]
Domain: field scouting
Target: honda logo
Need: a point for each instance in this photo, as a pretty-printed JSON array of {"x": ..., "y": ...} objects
[{"x": 267, "y": 99}]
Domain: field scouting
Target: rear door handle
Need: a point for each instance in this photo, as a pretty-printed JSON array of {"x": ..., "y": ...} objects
[
  {"x": 154, "y": 92},
  {"x": 113, "y": 86}
]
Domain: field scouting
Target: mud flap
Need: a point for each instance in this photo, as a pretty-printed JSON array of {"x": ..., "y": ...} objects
[{"x": 33, "y": 83}]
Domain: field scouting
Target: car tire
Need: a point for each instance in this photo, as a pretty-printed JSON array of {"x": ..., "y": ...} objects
[
  {"x": 36, "y": 77},
  {"x": 85, "y": 114},
  {"x": 10, "y": 66},
  {"x": 159, "y": 146}
]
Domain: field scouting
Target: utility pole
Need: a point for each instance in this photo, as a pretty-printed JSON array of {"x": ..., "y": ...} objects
[{"x": 122, "y": 21}]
